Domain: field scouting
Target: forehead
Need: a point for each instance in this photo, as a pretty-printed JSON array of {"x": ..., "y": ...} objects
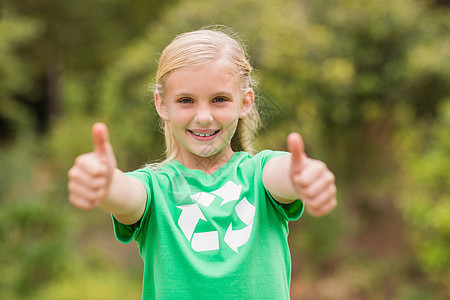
[{"x": 205, "y": 78}]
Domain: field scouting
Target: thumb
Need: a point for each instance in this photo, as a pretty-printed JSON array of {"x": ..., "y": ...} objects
[
  {"x": 297, "y": 148},
  {"x": 100, "y": 137}
]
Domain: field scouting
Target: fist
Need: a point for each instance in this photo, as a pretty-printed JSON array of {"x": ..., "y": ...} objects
[
  {"x": 313, "y": 182},
  {"x": 91, "y": 174}
]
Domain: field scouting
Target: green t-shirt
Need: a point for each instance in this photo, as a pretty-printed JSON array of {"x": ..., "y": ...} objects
[{"x": 216, "y": 236}]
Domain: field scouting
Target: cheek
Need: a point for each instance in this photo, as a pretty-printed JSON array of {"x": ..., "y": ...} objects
[
  {"x": 231, "y": 127},
  {"x": 178, "y": 120},
  {"x": 228, "y": 116},
  {"x": 180, "y": 117}
]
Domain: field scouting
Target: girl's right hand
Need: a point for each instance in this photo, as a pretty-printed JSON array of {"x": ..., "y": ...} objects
[{"x": 90, "y": 176}]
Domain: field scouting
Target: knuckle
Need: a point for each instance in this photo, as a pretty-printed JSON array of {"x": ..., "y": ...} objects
[
  {"x": 81, "y": 202},
  {"x": 313, "y": 211},
  {"x": 333, "y": 190},
  {"x": 333, "y": 203},
  {"x": 81, "y": 159},
  {"x": 309, "y": 194},
  {"x": 316, "y": 205},
  {"x": 328, "y": 207},
  {"x": 74, "y": 201},
  {"x": 322, "y": 165},
  {"x": 70, "y": 186},
  {"x": 319, "y": 164},
  {"x": 330, "y": 176},
  {"x": 90, "y": 164},
  {"x": 333, "y": 177},
  {"x": 99, "y": 169},
  {"x": 73, "y": 172},
  {"x": 92, "y": 197}
]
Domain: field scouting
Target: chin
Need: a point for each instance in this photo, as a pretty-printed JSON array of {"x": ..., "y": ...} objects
[{"x": 207, "y": 152}]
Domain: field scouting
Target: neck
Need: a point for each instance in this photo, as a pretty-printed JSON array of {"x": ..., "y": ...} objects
[{"x": 208, "y": 164}]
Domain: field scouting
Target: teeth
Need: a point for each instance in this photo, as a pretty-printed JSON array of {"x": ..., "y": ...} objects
[{"x": 204, "y": 134}]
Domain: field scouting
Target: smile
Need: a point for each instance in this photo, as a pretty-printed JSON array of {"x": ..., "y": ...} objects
[{"x": 204, "y": 134}]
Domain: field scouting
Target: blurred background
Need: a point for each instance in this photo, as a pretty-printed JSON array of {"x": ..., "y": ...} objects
[{"x": 365, "y": 82}]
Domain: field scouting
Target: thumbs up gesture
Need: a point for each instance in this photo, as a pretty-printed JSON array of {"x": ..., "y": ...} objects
[
  {"x": 312, "y": 181},
  {"x": 91, "y": 174}
]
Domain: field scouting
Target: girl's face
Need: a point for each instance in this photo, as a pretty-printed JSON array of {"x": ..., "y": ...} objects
[{"x": 203, "y": 106}]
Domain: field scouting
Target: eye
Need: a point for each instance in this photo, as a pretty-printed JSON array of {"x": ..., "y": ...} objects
[
  {"x": 185, "y": 100},
  {"x": 220, "y": 99}
]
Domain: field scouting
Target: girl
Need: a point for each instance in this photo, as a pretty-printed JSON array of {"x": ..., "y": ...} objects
[{"x": 211, "y": 220}]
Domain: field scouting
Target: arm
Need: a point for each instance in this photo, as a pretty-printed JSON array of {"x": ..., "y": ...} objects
[
  {"x": 95, "y": 181},
  {"x": 295, "y": 176}
]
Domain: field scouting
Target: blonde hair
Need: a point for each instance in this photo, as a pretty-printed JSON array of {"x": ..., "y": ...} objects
[{"x": 197, "y": 48}]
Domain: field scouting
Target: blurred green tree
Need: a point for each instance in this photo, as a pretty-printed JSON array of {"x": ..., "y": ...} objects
[
  {"x": 79, "y": 37},
  {"x": 423, "y": 150},
  {"x": 16, "y": 32}
]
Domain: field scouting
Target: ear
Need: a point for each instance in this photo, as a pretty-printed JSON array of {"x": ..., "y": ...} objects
[
  {"x": 247, "y": 103},
  {"x": 161, "y": 107}
]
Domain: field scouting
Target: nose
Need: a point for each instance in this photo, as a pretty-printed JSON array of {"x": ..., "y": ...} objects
[{"x": 203, "y": 115}]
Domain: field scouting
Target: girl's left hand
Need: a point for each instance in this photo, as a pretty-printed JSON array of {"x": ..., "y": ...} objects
[{"x": 313, "y": 182}]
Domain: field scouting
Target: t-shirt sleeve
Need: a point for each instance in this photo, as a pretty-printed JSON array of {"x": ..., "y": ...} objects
[
  {"x": 126, "y": 233},
  {"x": 291, "y": 211}
]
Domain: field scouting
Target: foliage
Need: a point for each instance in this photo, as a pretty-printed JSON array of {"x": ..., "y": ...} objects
[
  {"x": 15, "y": 31},
  {"x": 365, "y": 83},
  {"x": 34, "y": 229},
  {"x": 425, "y": 199},
  {"x": 86, "y": 282}
]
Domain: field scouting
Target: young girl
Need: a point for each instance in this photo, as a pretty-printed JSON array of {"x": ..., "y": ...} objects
[{"x": 211, "y": 221}]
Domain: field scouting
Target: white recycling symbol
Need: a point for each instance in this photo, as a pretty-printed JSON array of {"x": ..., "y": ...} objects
[{"x": 208, "y": 241}]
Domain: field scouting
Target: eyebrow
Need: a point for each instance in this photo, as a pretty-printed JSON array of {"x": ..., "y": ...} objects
[{"x": 215, "y": 94}]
